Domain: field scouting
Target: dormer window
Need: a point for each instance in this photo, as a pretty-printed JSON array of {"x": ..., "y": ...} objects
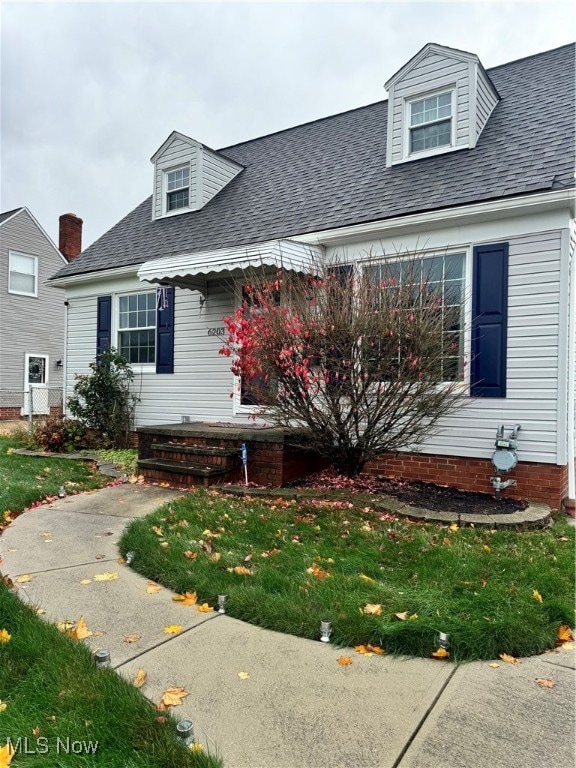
[
  {"x": 177, "y": 188},
  {"x": 431, "y": 122}
]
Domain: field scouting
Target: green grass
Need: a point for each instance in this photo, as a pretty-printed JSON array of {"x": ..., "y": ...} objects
[
  {"x": 50, "y": 682},
  {"x": 123, "y": 458},
  {"x": 26, "y": 479},
  {"x": 484, "y": 600}
]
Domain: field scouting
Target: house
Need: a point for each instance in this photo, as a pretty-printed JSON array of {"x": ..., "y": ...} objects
[
  {"x": 32, "y": 313},
  {"x": 463, "y": 163}
]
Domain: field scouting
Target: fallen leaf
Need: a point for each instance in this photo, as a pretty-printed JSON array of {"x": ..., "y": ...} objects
[
  {"x": 454, "y": 527},
  {"x": 173, "y": 629},
  {"x": 86, "y": 581},
  {"x": 132, "y": 638},
  {"x": 509, "y": 659},
  {"x": 105, "y": 576},
  {"x": 80, "y": 631},
  {"x": 373, "y": 609},
  {"x": 214, "y": 557},
  {"x": 243, "y": 675},
  {"x": 362, "y": 649},
  {"x": 195, "y": 747},
  {"x": 158, "y": 531},
  {"x": 365, "y": 578},
  {"x": 140, "y": 678},
  {"x": 544, "y": 683},
  {"x": 6, "y": 754},
  {"x": 40, "y": 611},
  {"x": 172, "y": 697},
  {"x": 153, "y": 588},
  {"x": 4, "y": 636},
  {"x": 486, "y": 548},
  {"x": 494, "y": 665},
  {"x": 402, "y": 616},
  {"x": 564, "y": 634},
  {"x": 204, "y": 608},
  {"x": 441, "y": 653},
  {"x": 161, "y": 719},
  {"x": 568, "y": 646},
  {"x": 191, "y": 555},
  {"x": 23, "y": 579},
  {"x": 36, "y": 731},
  {"x": 241, "y": 570},
  {"x": 344, "y": 661},
  {"x": 317, "y": 572},
  {"x": 188, "y": 598},
  {"x": 3, "y": 705},
  {"x": 64, "y": 626},
  {"x": 536, "y": 595}
]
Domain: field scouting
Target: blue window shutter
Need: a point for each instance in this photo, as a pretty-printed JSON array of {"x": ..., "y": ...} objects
[
  {"x": 489, "y": 320},
  {"x": 103, "y": 324},
  {"x": 165, "y": 335}
]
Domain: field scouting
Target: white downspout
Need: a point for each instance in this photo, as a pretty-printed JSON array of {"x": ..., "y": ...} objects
[{"x": 65, "y": 368}]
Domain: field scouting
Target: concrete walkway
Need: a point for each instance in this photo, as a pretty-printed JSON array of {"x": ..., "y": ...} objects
[{"x": 298, "y": 708}]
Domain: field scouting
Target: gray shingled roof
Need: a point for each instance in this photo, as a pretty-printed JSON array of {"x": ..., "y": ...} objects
[
  {"x": 332, "y": 172},
  {"x": 7, "y": 214}
]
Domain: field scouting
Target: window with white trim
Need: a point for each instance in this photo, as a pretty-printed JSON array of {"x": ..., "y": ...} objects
[
  {"x": 22, "y": 274},
  {"x": 177, "y": 188},
  {"x": 445, "y": 276},
  {"x": 430, "y": 122},
  {"x": 137, "y": 327}
]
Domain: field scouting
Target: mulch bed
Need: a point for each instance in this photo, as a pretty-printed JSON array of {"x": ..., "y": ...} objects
[{"x": 439, "y": 498}]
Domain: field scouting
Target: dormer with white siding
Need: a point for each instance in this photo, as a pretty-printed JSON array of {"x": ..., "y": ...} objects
[
  {"x": 438, "y": 102},
  {"x": 187, "y": 175}
]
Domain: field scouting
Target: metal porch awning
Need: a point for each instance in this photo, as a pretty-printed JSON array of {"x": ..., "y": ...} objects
[{"x": 193, "y": 270}]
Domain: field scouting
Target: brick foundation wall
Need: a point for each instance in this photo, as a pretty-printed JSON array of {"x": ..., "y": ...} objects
[
  {"x": 10, "y": 413},
  {"x": 535, "y": 481}
]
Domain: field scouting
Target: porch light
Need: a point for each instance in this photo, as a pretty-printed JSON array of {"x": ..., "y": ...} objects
[
  {"x": 222, "y": 603},
  {"x": 325, "y": 630},
  {"x": 185, "y": 730},
  {"x": 102, "y": 658}
]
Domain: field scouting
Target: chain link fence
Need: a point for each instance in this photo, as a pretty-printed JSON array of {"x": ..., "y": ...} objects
[{"x": 35, "y": 403}]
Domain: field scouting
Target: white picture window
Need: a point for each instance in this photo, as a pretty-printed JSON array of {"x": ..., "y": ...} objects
[
  {"x": 137, "y": 327},
  {"x": 177, "y": 188},
  {"x": 430, "y": 122},
  {"x": 22, "y": 274}
]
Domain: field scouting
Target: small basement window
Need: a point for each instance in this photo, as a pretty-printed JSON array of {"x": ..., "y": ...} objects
[
  {"x": 23, "y": 274},
  {"x": 177, "y": 188},
  {"x": 137, "y": 327},
  {"x": 430, "y": 122}
]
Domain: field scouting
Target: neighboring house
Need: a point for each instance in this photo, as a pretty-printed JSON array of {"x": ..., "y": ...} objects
[
  {"x": 32, "y": 313},
  {"x": 472, "y": 166}
]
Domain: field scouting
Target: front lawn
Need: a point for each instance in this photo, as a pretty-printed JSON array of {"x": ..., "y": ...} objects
[
  {"x": 287, "y": 565},
  {"x": 53, "y": 698},
  {"x": 26, "y": 479}
]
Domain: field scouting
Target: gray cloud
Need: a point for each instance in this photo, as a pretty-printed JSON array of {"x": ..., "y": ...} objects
[{"x": 89, "y": 91}]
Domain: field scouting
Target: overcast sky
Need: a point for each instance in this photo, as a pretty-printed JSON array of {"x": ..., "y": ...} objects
[{"x": 90, "y": 90}]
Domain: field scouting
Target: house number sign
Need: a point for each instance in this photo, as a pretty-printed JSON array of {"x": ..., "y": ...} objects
[{"x": 217, "y": 331}]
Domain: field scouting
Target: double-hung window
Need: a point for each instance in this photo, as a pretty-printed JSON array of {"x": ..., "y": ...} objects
[
  {"x": 444, "y": 276},
  {"x": 177, "y": 188},
  {"x": 430, "y": 122},
  {"x": 22, "y": 274},
  {"x": 137, "y": 327}
]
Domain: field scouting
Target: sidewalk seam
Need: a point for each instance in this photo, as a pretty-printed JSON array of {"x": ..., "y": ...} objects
[
  {"x": 67, "y": 567},
  {"x": 423, "y": 719}
]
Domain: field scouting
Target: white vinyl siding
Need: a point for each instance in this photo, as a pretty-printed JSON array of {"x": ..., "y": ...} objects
[
  {"x": 217, "y": 172},
  {"x": 486, "y": 100},
  {"x": 29, "y": 324},
  {"x": 176, "y": 155}
]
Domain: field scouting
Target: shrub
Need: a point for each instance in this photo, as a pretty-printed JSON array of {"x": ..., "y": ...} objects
[
  {"x": 61, "y": 435},
  {"x": 103, "y": 402}
]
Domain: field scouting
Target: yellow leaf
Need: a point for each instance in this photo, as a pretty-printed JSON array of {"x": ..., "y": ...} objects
[
  {"x": 80, "y": 631},
  {"x": 241, "y": 570},
  {"x": 486, "y": 548},
  {"x": 6, "y": 755},
  {"x": 454, "y": 527},
  {"x": 172, "y": 697},
  {"x": 195, "y": 747},
  {"x": 536, "y": 595},
  {"x": 368, "y": 579},
  {"x": 153, "y": 588},
  {"x": 158, "y": 531},
  {"x": 509, "y": 659},
  {"x": 188, "y": 598},
  {"x": 204, "y": 608},
  {"x": 494, "y": 665},
  {"x": 106, "y": 576},
  {"x": 564, "y": 634},
  {"x": 402, "y": 616},
  {"x": 164, "y": 544},
  {"x": 4, "y": 636},
  {"x": 568, "y": 646},
  {"x": 243, "y": 675},
  {"x": 36, "y": 731},
  {"x": 23, "y": 579},
  {"x": 344, "y": 661},
  {"x": 441, "y": 653},
  {"x": 140, "y": 678},
  {"x": 363, "y": 649},
  {"x": 132, "y": 638},
  {"x": 173, "y": 629},
  {"x": 64, "y": 626},
  {"x": 215, "y": 557},
  {"x": 3, "y": 705},
  {"x": 86, "y": 581},
  {"x": 373, "y": 609},
  {"x": 191, "y": 555},
  {"x": 544, "y": 682},
  {"x": 317, "y": 572},
  {"x": 413, "y": 617}
]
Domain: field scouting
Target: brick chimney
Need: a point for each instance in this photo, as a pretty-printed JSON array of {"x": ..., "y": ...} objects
[{"x": 70, "y": 235}]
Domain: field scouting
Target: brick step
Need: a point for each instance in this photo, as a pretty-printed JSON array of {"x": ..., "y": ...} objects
[
  {"x": 195, "y": 450},
  {"x": 181, "y": 473}
]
